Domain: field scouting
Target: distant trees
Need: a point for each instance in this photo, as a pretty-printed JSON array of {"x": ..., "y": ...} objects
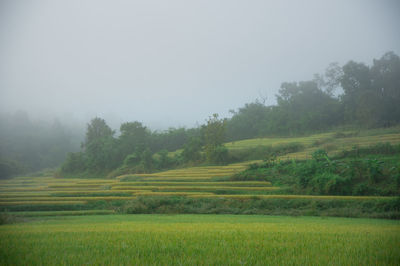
[
  {"x": 372, "y": 94},
  {"x": 192, "y": 150},
  {"x": 214, "y": 138},
  {"x": 100, "y": 146},
  {"x": 353, "y": 94},
  {"x": 136, "y": 149},
  {"x": 134, "y": 137},
  {"x": 302, "y": 107},
  {"x": 307, "y": 107},
  {"x": 356, "y": 84},
  {"x": 368, "y": 97},
  {"x": 249, "y": 121},
  {"x": 75, "y": 163},
  {"x": 27, "y": 145}
]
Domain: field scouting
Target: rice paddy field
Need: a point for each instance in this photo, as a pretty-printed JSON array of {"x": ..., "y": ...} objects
[
  {"x": 200, "y": 240},
  {"x": 330, "y": 142},
  {"x": 56, "y": 194},
  {"x": 28, "y": 192}
]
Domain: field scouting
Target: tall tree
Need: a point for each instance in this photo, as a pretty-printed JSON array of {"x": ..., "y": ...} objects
[
  {"x": 214, "y": 137},
  {"x": 100, "y": 146},
  {"x": 97, "y": 129},
  {"x": 385, "y": 79},
  {"x": 304, "y": 106},
  {"x": 134, "y": 137},
  {"x": 356, "y": 84},
  {"x": 248, "y": 122}
]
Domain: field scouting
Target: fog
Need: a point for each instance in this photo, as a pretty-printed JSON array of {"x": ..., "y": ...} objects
[{"x": 174, "y": 63}]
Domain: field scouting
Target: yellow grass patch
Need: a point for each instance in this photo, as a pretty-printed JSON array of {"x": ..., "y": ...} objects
[{"x": 298, "y": 197}]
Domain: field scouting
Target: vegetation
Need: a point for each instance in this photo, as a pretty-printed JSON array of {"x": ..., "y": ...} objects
[
  {"x": 369, "y": 99},
  {"x": 200, "y": 240},
  {"x": 373, "y": 170},
  {"x": 357, "y": 182},
  {"x": 354, "y": 95},
  {"x": 28, "y": 146},
  {"x": 353, "y": 170}
]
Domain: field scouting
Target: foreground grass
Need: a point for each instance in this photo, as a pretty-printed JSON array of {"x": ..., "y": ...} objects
[{"x": 200, "y": 240}]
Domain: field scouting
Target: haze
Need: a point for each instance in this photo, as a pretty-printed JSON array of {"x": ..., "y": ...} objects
[{"x": 174, "y": 63}]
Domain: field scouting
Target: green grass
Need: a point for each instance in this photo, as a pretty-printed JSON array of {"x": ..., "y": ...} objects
[
  {"x": 332, "y": 142},
  {"x": 200, "y": 240},
  {"x": 250, "y": 143}
]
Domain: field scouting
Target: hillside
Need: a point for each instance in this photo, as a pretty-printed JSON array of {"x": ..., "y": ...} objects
[{"x": 204, "y": 184}]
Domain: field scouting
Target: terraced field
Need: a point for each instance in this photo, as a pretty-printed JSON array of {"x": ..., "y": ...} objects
[
  {"x": 51, "y": 196},
  {"x": 195, "y": 182},
  {"x": 328, "y": 141}
]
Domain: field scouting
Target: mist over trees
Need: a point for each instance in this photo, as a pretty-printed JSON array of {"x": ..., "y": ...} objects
[
  {"x": 28, "y": 146},
  {"x": 354, "y": 95}
]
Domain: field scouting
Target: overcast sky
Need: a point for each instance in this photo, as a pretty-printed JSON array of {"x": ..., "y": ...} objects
[{"x": 174, "y": 63}]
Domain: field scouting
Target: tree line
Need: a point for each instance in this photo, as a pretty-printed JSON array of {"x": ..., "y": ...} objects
[
  {"x": 354, "y": 94},
  {"x": 139, "y": 150}
]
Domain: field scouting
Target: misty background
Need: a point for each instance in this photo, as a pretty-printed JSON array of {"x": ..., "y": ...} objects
[{"x": 174, "y": 63}]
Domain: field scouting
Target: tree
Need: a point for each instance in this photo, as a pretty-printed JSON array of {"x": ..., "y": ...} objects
[
  {"x": 134, "y": 138},
  {"x": 304, "y": 106},
  {"x": 356, "y": 84},
  {"x": 100, "y": 146},
  {"x": 248, "y": 122},
  {"x": 75, "y": 163},
  {"x": 147, "y": 160},
  {"x": 162, "y": 160},
  {"x": 97, "y": 129},
  {"x": 191, "y": 150},
  {"x": 330, "y": 81},
  {"x": 385, "y": 81},
  {"x": 214, "y": 136}
]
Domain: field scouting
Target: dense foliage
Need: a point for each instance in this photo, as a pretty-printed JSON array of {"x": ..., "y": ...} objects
[
  {"x": 373, "y": 170},
  {"x": 137, "y": 149},
  {"x": 354, "y": 94}
]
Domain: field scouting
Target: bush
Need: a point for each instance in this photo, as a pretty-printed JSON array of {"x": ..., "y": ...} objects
[
  {"x": 382, "y": 208},
  {"x": 331, "y": 176}
]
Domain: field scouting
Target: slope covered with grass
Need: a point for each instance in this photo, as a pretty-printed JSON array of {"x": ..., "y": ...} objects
[{"x": 205, "y": 187}]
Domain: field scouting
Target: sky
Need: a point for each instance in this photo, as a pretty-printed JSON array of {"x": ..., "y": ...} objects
[{"x": 174, "y": 63}]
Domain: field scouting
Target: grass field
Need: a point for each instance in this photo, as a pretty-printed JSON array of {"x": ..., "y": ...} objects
[{"x": 200, "y": 240}]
